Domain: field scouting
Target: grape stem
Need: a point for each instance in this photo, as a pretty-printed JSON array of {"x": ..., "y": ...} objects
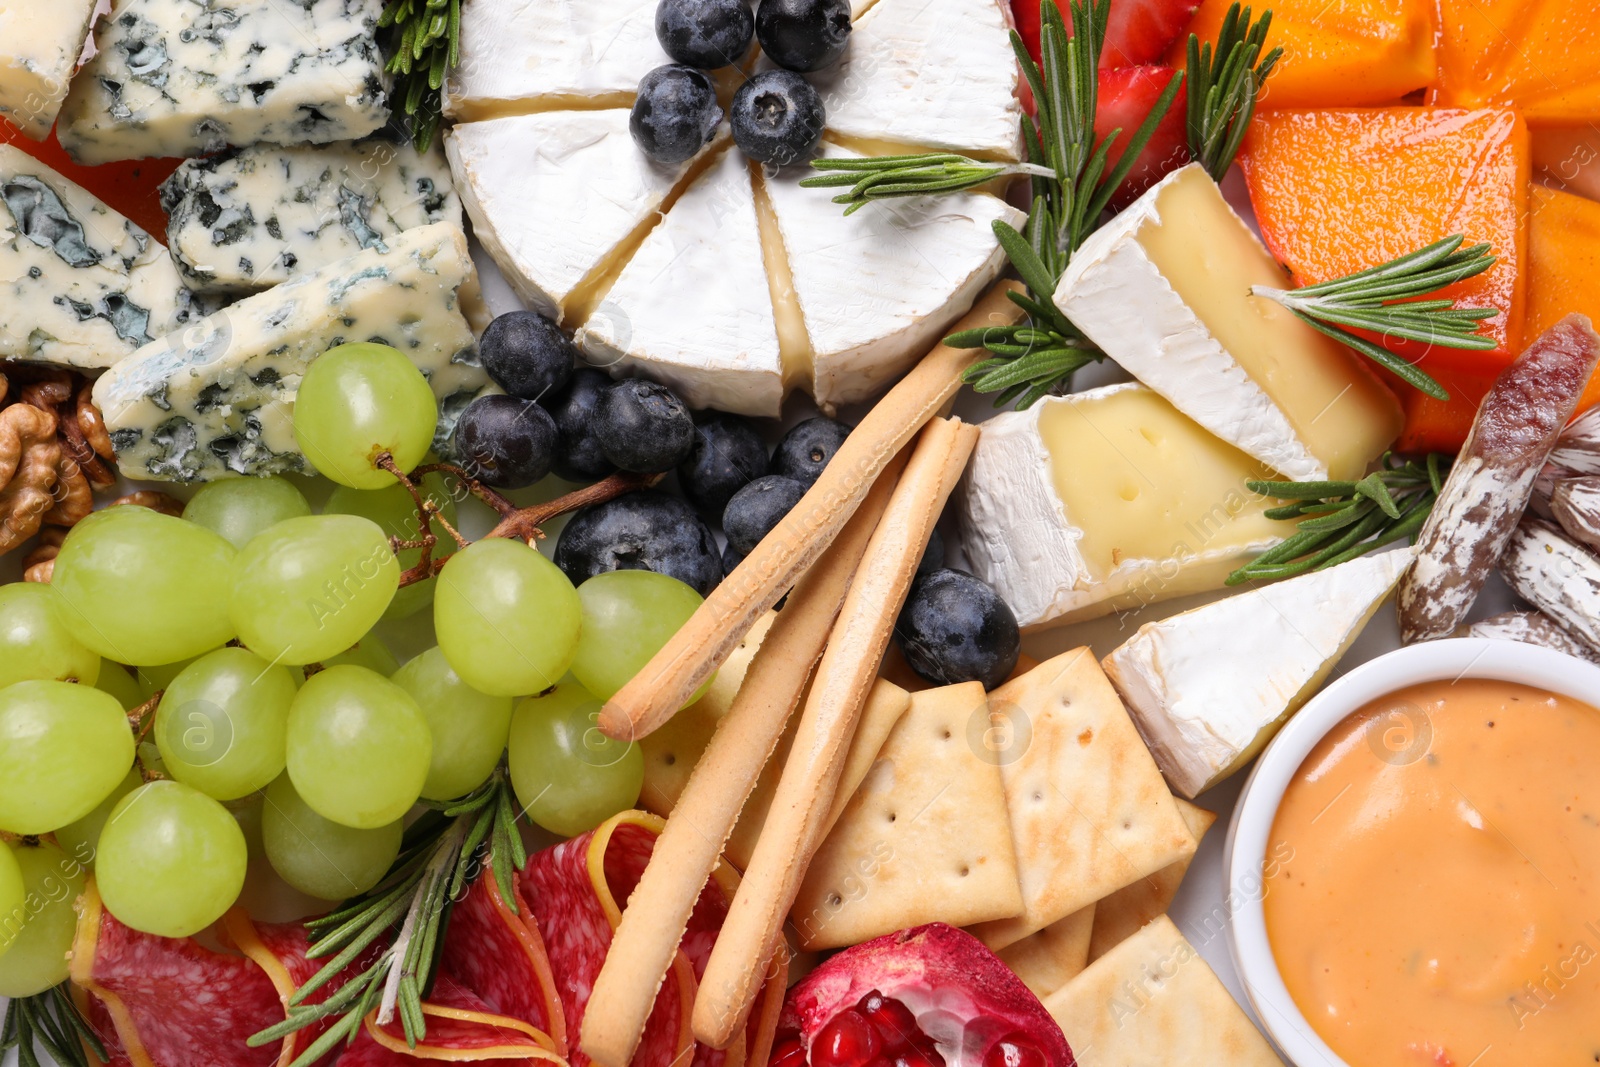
[{"x": 524, "y": 523}]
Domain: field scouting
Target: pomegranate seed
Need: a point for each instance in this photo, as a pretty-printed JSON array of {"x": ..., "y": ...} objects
[
  {"x": 1016, "y": 1050},
  {"x": 787, "y": 1052},
  {"x": 914, "y": 1058},
  {"x": 846, "y": 1040},
  {"x": 896, "y": 1026}
]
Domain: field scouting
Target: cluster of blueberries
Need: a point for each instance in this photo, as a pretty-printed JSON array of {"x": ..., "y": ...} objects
[
  {"x": 559, "y": 416},
  {"x": 776, "y": 115}
]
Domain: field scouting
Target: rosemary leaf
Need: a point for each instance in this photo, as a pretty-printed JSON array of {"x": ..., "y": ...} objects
[{"x": 1225, "y": 81}]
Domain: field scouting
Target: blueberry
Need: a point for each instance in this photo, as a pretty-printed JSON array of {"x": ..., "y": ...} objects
[
  {"x": 727, "y": 455},
  {"x": 932, "y": 556},
  {"x": 642, "y": 531},
  {"x": 803, "y": 35},
  {"x": 527, "y": 355},
  {"x": 777, "y": 117},
  {"x": 955, "y": 628},
  {"x": 705, "y": 33},
  {"x": 757, "y": 508},
  {"x": 675, "y": 114},
  {"x": 644, "y": 427},
  {"x": 807, "y": 448},
  {"x": 504, "y": 441},
  {"x": 576, "y": 410},
  {"x": 730, "y": 560}
]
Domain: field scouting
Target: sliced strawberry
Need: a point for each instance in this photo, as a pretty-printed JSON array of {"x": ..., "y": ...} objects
[
  {"x": 1126, "y": 98},
  {"x": 1137, "y": 32}
]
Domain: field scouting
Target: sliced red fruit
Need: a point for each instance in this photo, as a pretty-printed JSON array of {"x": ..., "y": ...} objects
[
  {"x": 1127, "y": 96},
  {"x": 1539, "y": 57},
  {"x": 931, "y": 996},
  {"x": 1137, "y": 32},
  {"x": 132, "y": 187}
]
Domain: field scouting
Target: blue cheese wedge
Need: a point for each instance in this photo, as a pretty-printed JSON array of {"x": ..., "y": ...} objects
[
  {"x": 244, "y": 221},
  {"x": 216, "y": 399},
  {"x": 40, "y": 42},
  {"x": 82, "y": 286},
  {"x": 189, "y": 77}
]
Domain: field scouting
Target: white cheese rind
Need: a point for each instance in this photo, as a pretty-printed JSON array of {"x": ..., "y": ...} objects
[
  {"x": 189, "y": 77},
  {"x": 82, "y": 285},
  {"x": 40, "y": 42},
  {"x": 216, "y": 399},
  {"x": 1200, "y": 710},
  {"x": 247, "y": 220},
  {"x": 692, "y": 308}
]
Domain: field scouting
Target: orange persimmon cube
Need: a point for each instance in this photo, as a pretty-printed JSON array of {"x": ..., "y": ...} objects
[{"x": 1543, "y": 58}]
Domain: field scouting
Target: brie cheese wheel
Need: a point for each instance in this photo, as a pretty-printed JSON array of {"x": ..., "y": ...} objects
[
  {"x": 1202, "y": 711},
  {"x": 40, "y": 41},
  {"x": 1164, "y": 289},
  {"x": 1107, "y": 499}
]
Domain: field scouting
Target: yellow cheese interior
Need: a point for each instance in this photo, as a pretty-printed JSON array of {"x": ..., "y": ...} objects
[
  {"x": 1211, "y": 259},
  {"x": 794, "y": 341},
  {"x": 1144, "y": 482}
]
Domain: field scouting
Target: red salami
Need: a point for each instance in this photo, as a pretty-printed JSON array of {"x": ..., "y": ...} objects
[{"x": 461, "y": 1027}]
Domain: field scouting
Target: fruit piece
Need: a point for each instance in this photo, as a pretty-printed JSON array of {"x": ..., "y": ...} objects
[
  {"x": 644, "y": 427},
  {"x": 356, "y": 401},
  {"x": 806, "y": 449},
  {"x": 568, "y": 775},
  {"x": 756, "y": 510},
  {"x": 469, "y": 728},
  {"x": 221, "y": 723},
  {"x": 171, "y": 860},
  {"x": 646, "y": 530},
  {"x": 777, "y": 117},
  {"x": 81, "y": 837},
  {"x": 576, "y": 410},
  {"x": 1126, "y": 97},
  {"x": 504, "y": 441},
  {"x": 310, "y": 588},
  {"x": 36, "y": 950},
  {"x": 627, "y": 617},
  {"x": 236, "y": 509},
  {"x": 13, "y": 895},
  {"x": 369, "y": 652},
  {"x": 63, "y": 747},
  {"x": 731, "y": 558},
  {"x": 932, "y": 556},
  {"x": 35, "y": 643},
  {"x": 803, "y": 35},
  {"x": 727, "y": 454},
  {"x": 675, "y": 114},
  {"x": 318, "y": 856},
  {"x": 1538, "y": 58},
  {"x": 709, "y": 34},
  {"x": 1344, "y": 53},
  {"x": 1138, "y": 32},
  {"x": 141, "y": 587},
  {"x": 121, "y": 684},
  {"x": 1568, "y": 158},
  {"x": 955, "y": 628},
  {"x": 1563, "y": 265},
  {"x": 396, "y": 514},
  {"x": 932, "y": 991},
  {"x": 527, "y": 355},
  {"x": 1337, "y": 191},
  {"x": 506, "y": 617}
]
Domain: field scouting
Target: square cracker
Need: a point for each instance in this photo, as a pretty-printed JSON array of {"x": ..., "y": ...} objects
[
  {"x": 1090, "y": 812},
  {"x": 1153, "y": 1000},
  {"x": 1048, "y": 959},
  {"x": 924, "y": 838},
  {"x": 1123, "y": 913}
]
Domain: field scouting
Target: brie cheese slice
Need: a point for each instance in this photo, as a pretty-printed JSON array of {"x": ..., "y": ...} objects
[
  {"x": 1164, "y": 288},
  {"x": 1204, "y": 713},
  {"x": 1104, "y": 500}
]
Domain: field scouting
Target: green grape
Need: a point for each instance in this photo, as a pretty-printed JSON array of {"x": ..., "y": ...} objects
[
  {"x": 356, "y": 401},
  {"x": 310, "y": 588},
  {"x": 37, "y": 941},
  {"x": 13, "y": 897},
  {"x": 35, "y": 643},
  {"x": 239, "y": 508},
  {"x": 568, "y": 775},
  {"x": 142, "y": 587},
  {"x": 318, "y": 856},
  {"x": 221, "y": 724},
  {"x": 120, "y": 683},
  {"x": 153, "y": 680},
  {"x": 63, "y": 747},
  {"x": 81, "y": 838},
  {"x": 370, "y": 653},
  {"x": 359, "y": 747},
  {"x": 469, "y": 728},
  {"x": 171, "y": 860},
  {"x": 393, "y": 509},
  {"x": 506, "y": 617},
  {"x": 627, "y": 617}
]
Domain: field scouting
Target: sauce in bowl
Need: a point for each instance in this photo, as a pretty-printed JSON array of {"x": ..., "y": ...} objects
[{"x": 1440, "y": 904}]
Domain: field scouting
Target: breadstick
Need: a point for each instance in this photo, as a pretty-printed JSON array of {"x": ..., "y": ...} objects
[
  {"x": 718, "y": 625},
  {"x": 697, "y": 830},
  {"x": 810, "y": 779}
]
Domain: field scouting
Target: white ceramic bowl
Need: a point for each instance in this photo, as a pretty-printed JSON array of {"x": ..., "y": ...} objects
[{"x": 1446, "y": 660}]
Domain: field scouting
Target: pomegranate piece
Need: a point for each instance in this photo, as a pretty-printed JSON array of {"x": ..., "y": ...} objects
[{"x": 931, "y": 996}]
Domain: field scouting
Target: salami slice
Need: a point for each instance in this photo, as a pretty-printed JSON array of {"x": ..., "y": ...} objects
[{"x": 462, "y": 1027}]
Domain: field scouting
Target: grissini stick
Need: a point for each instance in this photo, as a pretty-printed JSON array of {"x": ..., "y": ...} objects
[
  {"x": 805, "y": 793},
  {"x": 717, "y": 626},
  {"x": 657, "y": 914}
]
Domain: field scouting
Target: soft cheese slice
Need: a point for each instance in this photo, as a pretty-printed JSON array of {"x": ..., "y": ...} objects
[
  {"x": 40, "y": 41},
  {"x": 692, "y": 308},
  {"x": 876, "y": 289},
  {"x": 1107, "y": 499},
  {"x": 217, "y": 398},
  {"x": 1208, "y": 688},
  {"x": 82, "y": 285},
  {"x": 935, "y": 73},
  {"x": 1164, "y": 288},
  {"x": 558, "y": 198}
]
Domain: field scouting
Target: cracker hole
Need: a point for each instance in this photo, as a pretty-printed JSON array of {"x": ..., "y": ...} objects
[
  {"x": 671, "y": 760},
  {"x": 965, "y": 870}
]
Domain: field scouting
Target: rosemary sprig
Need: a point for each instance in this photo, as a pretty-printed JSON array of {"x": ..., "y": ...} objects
[
  {"x": 1342, "y": 520},
  {"x": 439, "y": 856},
  {"x": 423, "y": 39},
  {"x": 1225, "y": 81},
  {"x": 1384, "y": 300},
  {"x": 49, "y": 1022},
  {"x": 884, "y": 177}
]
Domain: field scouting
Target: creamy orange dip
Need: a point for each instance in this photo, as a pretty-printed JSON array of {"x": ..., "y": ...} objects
[{"x": 1440, "y": 906}]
